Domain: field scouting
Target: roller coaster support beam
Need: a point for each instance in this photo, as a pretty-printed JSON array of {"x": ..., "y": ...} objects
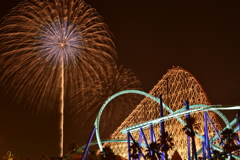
[
  {"x": 161, "y": 115},
  {"x": 152, "y": 135},
  {"x": 129, "y": 151},
  {"x": 214, "y": 128},
  {"x": 88, "y": 144},
  {"x": 188, "y": 137},
  {"x": 144, "y": 137},
  {"x": 162, "y": 127},
  {"x": 238, "y": 127},
  {"x": 206, "y": 138},
  {"x": 140, "y": 139},
  {"x": 238, "y": 120},
  {"x": 129, "y": 138},
  {"x": 203, "y": 149},
  {"x": 194, "y": 152}
]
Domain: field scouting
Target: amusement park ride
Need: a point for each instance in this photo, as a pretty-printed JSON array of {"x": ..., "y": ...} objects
[{"x": 176, "y": 97}]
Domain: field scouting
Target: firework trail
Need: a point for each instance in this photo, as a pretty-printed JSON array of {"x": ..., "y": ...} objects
[
  {"x": 50, "y": 48},
  {"x": 115, "y": 80}
]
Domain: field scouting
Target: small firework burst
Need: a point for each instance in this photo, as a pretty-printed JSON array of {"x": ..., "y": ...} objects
[{"x": 116, "y": 80}]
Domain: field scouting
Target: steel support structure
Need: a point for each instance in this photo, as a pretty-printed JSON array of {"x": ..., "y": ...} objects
[
  {"x": 88, "y": 144},
  {"x": 131, "y": 139},
  {"x": 194, "y": 152},
  {"x": 238, "y": 129},
  {"x": 162, "y": 127},
  {"x": 238, "y": 126},
  {"x": 206, "y": 137},
  {"x": 141, "y": 142},
  {"x": 172, "y": 115}
]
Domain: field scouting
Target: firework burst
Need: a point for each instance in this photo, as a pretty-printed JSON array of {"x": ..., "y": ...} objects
[
  {"x": 50, "y": 48},
  {"x": 115, "y": 80}
]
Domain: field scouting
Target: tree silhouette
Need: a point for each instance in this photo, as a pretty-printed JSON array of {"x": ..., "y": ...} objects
[
  {"x": 135, "y": 148},
  {"x": 228, "y": 136},
  {"x": 153, "y": 151},
  {"x": 107, "y": 154},
  {"x": 188, "y": 128},
  {"x": 72, "y": 148},
  {"x": 166, "y": 142},
  {"x": 228, "y": 139},
  {"x": 93, "y": 155}
]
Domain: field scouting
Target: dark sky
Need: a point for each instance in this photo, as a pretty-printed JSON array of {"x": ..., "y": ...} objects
[{"x": 151, "y": 36}]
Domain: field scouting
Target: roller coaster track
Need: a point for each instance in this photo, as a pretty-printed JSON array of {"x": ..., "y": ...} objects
[{"x": 177, "y": 114}]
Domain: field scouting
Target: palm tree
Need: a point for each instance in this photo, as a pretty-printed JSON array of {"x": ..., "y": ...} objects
[
  {"x": 107, "y": 154},
  {"x": 166, "y": 142},
  {"x": 228, "y": 139},
  {"x": 153, "y": 151},
  {"x": 72, "y": 148},
  {"x": 188, "y": 128},
  {"x": 135, "y": 149},
  {"x": 93, "y": 155},
  {"x": 229, "y": 145}
]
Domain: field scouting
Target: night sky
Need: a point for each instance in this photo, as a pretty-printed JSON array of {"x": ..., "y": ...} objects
[{"x": 151, "y": 36}]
